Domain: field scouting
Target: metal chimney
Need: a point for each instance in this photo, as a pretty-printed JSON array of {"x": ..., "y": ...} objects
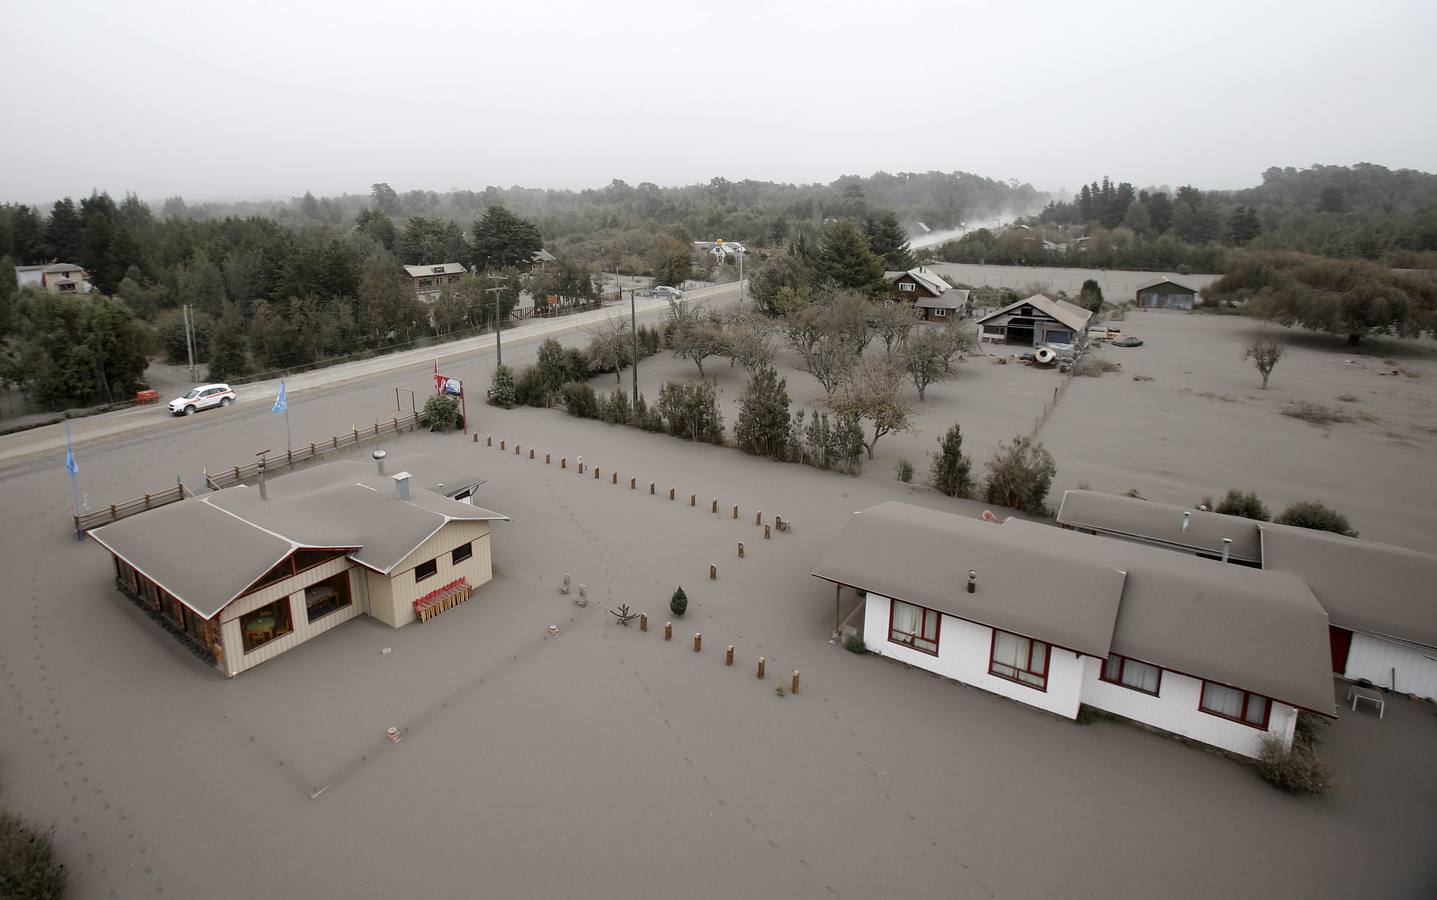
[
  {"x": 401, "y": 485},
  {"x": 1187, "y": 516},
  {"x": 379, "y": 460},
  {"x": 972, "y": 580},
  {"x": 263, "y": 491},
  {"x": 1226, "y": 548}
]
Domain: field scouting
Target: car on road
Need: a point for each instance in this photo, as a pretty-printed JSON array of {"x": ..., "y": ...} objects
[
  {"x": 668, "y": 293},
  {"x": 202, "y": 397},
  {"x": 1128, "y": 341}
]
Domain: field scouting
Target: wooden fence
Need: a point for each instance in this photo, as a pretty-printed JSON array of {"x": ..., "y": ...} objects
[
  {"x": 117, "y": 511},
  {"x": 233, "y": 475}
]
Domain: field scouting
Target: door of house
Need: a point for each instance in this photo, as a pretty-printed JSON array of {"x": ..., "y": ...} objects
[{"x": 1341, "y": 640}]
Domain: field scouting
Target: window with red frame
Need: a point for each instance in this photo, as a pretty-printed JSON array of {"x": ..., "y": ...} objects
[
  {"x": 1132, "y": 674},
  {"x": 914, "y": 626},
  {"x": 1231, "y": 703},
  {"x": 1019, "y": 659}
]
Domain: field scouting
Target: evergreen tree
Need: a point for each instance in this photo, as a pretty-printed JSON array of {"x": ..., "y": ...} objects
[
  {"x": 952, "y": 470},
  {"x": 1243, "y": 226},
  {"x": 763, "y": 422},
  {"x": 1160, "y": 212},
  {"x": 1020, "y": 474},
  {"x": 888, "y": 241},
  {"x": 503, "y": 240},
  {"x": 385, "y": 199},
  {"x": 846, "y": 260},
  {"x": 64, "y": 233},
  {"x": 227, "y": 358},
  {"x": 1245, "y": 504},
  {"x": 1085, "y": 205},
  {"x": 1311, "y": 514}
]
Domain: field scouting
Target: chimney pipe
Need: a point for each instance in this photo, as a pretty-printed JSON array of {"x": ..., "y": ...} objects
[
  {"x": 379, "y": 460},
  {"x": 263, "y": 491},
  {"x": 401, "y": 485},
  {"x": 1187, "y": 516},
  {"x": 972, "y": 580},
  {"x": 1226, "y": 548}
]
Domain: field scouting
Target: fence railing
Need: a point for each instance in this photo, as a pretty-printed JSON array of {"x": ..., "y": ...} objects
[
  {"x": 117, "y": 511},
  {"x": 233, "y": 475}
]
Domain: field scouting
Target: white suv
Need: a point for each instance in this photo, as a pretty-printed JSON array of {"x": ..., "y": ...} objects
[
  {"x": 668, "y": 293},
  {"x": 202, "y": 397}
]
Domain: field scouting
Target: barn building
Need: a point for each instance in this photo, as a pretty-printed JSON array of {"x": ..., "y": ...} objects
[
  {"x": 1222, "y": 655},
  {"x": 244, "y": 574},
  {"x": 1166, "y": 294},
  {"x": 1038, "y": 320}
]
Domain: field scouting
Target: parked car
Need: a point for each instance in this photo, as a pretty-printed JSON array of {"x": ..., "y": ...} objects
[
  {"x": 668, "y": 293},
  {"x": 1128, "y": 341},
  {"x": 202, "y": 397}
]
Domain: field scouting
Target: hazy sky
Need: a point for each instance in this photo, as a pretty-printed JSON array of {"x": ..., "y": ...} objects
[{"x": 264, "y": 98}]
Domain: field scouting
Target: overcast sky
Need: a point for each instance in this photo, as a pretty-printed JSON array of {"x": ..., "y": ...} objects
[{"x": 269, "y": 99}]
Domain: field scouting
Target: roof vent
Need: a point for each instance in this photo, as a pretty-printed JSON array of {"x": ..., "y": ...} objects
[
  {"x": 972, "y": 580},
  {"x": 379, "y": 460},
  {"x": 1187, "y": 516},
  {"x": 401, "y": 485},
  {"x": 1226, "y": 548}
]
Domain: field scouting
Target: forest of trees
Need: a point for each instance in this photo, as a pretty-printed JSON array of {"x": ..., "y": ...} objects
[{"x": 1364, "y": 211}]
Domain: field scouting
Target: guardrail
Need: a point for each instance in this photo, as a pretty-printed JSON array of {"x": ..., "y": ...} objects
[
  {"x": 233, "y": 475},
  {"x": 117, "y": 511}
]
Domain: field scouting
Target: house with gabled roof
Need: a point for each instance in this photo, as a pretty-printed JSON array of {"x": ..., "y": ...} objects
[
  {"x": 1035, "y": 321},
  {"x": 244, "y": 574},
  {"x": 56, "y": 278},
  {"x": 934, "y": 298},
  {"x": 432, "y": 279},
  {"x": 1166, "y": 294},
  {"x": 1057, "y": 619}
]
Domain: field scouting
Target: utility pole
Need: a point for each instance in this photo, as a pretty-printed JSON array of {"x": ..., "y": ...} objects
[
  {"x": 634, "y": 327},
  {"x": 189, "y": 340},
  {"x": 740, "y": 279},
  {"x": 498, "y": 347}
]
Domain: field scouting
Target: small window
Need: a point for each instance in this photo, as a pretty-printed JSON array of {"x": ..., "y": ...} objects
[
  {"x": 426, "y": 570},
  {"x": 1132, "y": 674},
  {"x": 265, "y": 624},
  {"x": 939, "y": 313},
  {"x": 461, "y": 553},
  {"x": 914, "y": 626},
  {"x": 1231, "y": 703},
  {"x": 1019, "y": 659},
  {"x": 907, "y": 287},
  {"x": 438, "y": 270}
]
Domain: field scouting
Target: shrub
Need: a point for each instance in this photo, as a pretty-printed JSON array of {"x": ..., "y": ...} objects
[
  {"x": 1020, "y": 474},
  {"x": 1092, "y": 367},
  {"x": 28, "y": 868},
  {"x": 763, "y": 427},
  {"x": 1242, "y": 503},
  {"x": 1311, "y": 514},
  {"x": 952, "y": 470},
  {"x": 502, "y": 392},
  {"x": 441, "y": 412},
  {"x": 1297, "y": 770},
  {"x": 616, "y": 409},
  {"x": 1315, "y": 413},
  {"x": 580, "y": 400},
  {"x": 530, "y": 389},
  {"x": 905, "y": 471},
  {"x": 854, "y": 644},
  {"x": 691, "y": 411},
  {"x": 679, "y": 603}
]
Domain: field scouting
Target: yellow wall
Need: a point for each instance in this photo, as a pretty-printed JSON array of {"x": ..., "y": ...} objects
[
  {"x": 391, "y": 598},
  {"x": 237, "y": 660}
]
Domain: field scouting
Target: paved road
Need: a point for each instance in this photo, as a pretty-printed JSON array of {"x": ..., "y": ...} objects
[{"x": 471, "y": 359}]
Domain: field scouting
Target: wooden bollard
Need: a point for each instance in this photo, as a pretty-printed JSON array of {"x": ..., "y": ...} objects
[
  {"x": 597, "y": 471},
  {"x": 760, "y": 667},
  {"x": 795, "y": 681},
  {"x": 616, "y": 478},
  {"x": 740, "y": 549},
  {"x": 501, "y": 444},
  {"x": 758, "y": 518},
  {"x": 715, "y": 505},
  {"x": 735, "y": 510},
  {"x": 546, "y": 459},
  {"x": 581, "y": 467},
  {"x": 651, "y": 488},
  {"x": 643, "y": 621},
  {"x": 693, "y": 499},
  {"x": 728, "y": 656},
  {"x": 671, "y": 493},
  {"x": 563, "y": 462},
  {"x": 767, "y": 532},
  {"x": 489, "y": 441},
  {"x": 668, "y": 631},
  {"x": 778, "y": 522},
  {"x": 713, "y": 572},
  {"x": 531, "y": 452},
  {"x": 516, "y": 449},
  {"x": 698, "y": 642},
  {"x": 633, "y": 482},
  {"x": 476, "y": 438}
]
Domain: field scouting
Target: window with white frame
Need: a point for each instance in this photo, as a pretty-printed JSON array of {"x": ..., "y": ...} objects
[
  {"x": 1019, "y": 659},
  {"x": 1231, "y": 703},
  {"x": 914, "y": 626},
  {"x": 939, "y": 313},
  {"x": 907, "y": 287},
  {"x": 1132, "y": 674}
]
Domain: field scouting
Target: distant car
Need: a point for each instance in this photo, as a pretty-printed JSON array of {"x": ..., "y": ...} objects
[
  {"x": 202, "y": 397},
  {"x": 1128, "y": 341},
  {"x": 668, "y": 293}
]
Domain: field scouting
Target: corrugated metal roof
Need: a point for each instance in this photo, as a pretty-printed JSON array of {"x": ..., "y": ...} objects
[
  {"x": 1152, "y": 284},
  {"x": 1366, "y": 586},
  {"x": 1075, "y": 317},
  {"x": 1162, "y": 523},
  {"x": 437, "y": 269}
]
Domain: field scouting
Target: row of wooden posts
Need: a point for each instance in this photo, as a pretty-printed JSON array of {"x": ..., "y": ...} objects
[
  {"x": 653, "y": 487},
  {"x": 699, "y": 646}
]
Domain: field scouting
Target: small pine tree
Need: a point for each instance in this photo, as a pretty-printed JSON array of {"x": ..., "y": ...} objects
[
  {"x": 679, "y": 603},
  {"x": 905, "y": 471},
  {"x": 1245, "y": 504},
  {"x": 502, "y": 392},
  {"x": 762, "y": 428},
  {"x": 580, "y": 400},
  {"x": 441, "y": 412},
  {"x": 952, "y": 470}
]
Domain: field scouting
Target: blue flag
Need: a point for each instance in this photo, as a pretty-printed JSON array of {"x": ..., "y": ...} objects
[
  {"x": 280, "y": 403},
  {"x": 70, "y": 465}
]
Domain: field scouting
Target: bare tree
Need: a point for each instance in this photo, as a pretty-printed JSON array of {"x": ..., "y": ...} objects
[
  {"x": 928, "y": 358},
  {"x": 750, "y": 341},
  {"x": 610, "y": 346},
  {"x": 891, "y": 323},
  {"x": 694, "y": 333},
  {"x": 1264, "y": 351},
  {"x": 875, "y": 393},
  {"x": 830, "y": 360}
]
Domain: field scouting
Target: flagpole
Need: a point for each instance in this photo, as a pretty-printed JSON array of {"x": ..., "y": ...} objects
[
  {"x": 288, "y": 443},
  {"x": 74, "y": 470}
]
